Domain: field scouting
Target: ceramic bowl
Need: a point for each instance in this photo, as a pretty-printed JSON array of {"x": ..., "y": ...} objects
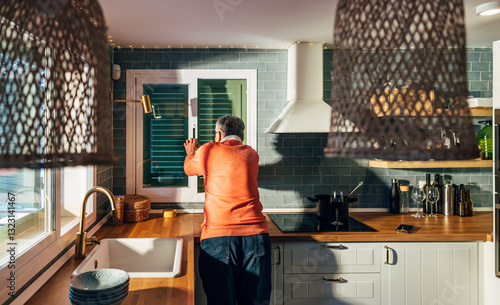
[
  {"x": 100, "y": 295},
  {"x": 115, "y": 300},
  {"x": 99, "y": 280},
  {"x": 110, "y": 302}
]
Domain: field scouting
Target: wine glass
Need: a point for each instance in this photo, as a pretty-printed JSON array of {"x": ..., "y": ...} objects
[
  {"x": 432, "y": 197},
  {"x": 337, "y": 202},
  {"x": 418, "y": 195}
]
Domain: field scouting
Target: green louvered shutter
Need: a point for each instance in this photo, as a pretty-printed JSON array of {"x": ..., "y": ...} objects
[
  {"x": 165, "y": 131},
  {"x": 218, "y": 97}
]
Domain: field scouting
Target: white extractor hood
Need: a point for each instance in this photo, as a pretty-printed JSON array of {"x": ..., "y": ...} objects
[{"x": 306, "y": 111}]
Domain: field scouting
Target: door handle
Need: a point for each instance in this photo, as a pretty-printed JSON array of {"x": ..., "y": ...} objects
[
  {"x": 387, "y": 254},
  {"x": 279, "y": 255}
]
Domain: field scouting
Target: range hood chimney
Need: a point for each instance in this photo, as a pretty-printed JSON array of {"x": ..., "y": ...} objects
[{"x": 306, "y": 111}]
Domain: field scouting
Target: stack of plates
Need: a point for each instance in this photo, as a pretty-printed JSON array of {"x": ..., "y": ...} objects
[{"x": 99, "y": 287}]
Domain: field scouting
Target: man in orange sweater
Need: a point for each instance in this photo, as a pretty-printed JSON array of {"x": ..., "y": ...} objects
[{"x": 235, "y": 255}]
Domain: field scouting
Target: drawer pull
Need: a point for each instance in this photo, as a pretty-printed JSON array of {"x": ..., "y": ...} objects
[
  {"x": 339, "y": 246},
  {"x": 335, "y": 279}
]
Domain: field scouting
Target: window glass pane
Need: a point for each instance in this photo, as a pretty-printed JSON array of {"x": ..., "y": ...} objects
[
  {"x": 75, "y": 182},
  {"x": 26, "y": 209},
  {"x": 165, "y": 131},
  {"x": 218, "y": 97}
]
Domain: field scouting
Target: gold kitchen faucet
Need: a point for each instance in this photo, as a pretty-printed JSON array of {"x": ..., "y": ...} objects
[{"x": 81, "y": 237}]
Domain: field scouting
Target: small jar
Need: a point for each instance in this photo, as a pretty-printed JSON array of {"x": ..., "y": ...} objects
[
  {"x": 404, "y": 199},
  {"x": 118, "y": 219}
]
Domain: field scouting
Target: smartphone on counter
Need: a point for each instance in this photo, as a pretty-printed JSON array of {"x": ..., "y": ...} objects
[{"x": 405, "y": 228}]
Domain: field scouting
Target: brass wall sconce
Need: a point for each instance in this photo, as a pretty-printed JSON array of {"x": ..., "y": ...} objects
[{"x": 145, "y": 101}]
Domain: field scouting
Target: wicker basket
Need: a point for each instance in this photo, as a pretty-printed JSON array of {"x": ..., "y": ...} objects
[
  {"x": 136, "y": 208},
  {"x": 136, "y": 202},
  {"x": 136, "y": 215},
  {"x": 403, "y": 102}
]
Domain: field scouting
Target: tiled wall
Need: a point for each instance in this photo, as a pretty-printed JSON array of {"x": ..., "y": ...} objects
[
  {"x": 292, "y": 166},
  {"x": 480, "y": 71},
  {"x": 104, "y": 175}
]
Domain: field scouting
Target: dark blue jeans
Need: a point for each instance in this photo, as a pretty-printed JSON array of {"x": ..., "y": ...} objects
[{"x": 236, "y": 269}]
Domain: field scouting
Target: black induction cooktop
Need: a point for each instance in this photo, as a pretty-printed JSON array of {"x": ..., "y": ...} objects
[{"x": 304, "y": 222}]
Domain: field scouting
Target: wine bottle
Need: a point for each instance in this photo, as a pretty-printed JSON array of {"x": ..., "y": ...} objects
[
  {"x": 462, "y": 203},
  {"x": 426, "y": 188},
  {"x": 438, "y": 205},
  {"x": 394, "y": 197},
  {"x": 469, "y": 203},
  {"x": 457, "y": 196}
]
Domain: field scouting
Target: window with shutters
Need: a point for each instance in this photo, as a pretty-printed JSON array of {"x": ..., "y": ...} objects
[{"x": 186, "y": 104}]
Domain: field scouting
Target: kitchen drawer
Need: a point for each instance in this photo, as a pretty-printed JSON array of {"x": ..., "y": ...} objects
[
  {"x": 321, "y": 289},
  {"x": 314, "y": 257}
]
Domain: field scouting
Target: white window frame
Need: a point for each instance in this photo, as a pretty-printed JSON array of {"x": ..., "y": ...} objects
[
  {"x": 134, "y": 115},
  {"x": 33, "y": 260}
]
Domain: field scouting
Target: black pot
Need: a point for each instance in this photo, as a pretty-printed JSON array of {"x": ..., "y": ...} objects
[{"x": 325, "y": 209}]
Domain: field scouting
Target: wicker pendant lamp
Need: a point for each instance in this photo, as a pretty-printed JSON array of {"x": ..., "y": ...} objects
[
  {"x": 399, "y": 81},
  {"x": 54, "y": 84}
]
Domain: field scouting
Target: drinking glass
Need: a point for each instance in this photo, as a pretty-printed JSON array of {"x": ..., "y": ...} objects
[
  {"x": 337, "y": 202},
  {"x": 432, "y": 197},
  {"x": 418, "y": 195}
]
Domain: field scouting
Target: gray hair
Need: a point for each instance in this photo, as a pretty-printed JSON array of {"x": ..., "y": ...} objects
[{"x": 231, "y": 125}]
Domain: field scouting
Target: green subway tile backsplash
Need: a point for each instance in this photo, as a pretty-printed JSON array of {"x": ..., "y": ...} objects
[
  {"x": 481, "y": 66},
  {"x": 291, "y": 165}
]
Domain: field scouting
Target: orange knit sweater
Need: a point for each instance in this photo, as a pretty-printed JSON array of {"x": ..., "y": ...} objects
[{"x": 232, "y": 205}]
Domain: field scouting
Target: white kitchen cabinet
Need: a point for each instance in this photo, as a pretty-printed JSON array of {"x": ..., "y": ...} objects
[
  {"x": 332, "y": 273},
  {"x": 314, "y": 257},
  {"x": 355, "y": 273},
  {"x": 428, "y": 273},
  {"x": 332, "y": 288}
]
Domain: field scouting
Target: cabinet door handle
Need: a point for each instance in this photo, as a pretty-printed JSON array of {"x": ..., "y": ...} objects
[
  {"x": 387, "y": 250},
  {"x": 335, "y": 279},
  {"x": 279, "y": 256},
  {"x": 339, "y": 246}
]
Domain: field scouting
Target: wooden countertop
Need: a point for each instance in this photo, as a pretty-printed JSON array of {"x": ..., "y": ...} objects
[
  {"x": 444, "y": 228},
  {"x": 180, "y": 290}
]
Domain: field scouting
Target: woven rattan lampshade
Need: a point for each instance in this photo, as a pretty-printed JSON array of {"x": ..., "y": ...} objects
[
  {"x": 399, "y": 81},
  {"x": 54, "y": 84}
]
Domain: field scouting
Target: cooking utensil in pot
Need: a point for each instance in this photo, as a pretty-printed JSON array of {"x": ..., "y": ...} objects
[
  {"x": 352, "y": 192},
  {"x": 325, "y": 209}
]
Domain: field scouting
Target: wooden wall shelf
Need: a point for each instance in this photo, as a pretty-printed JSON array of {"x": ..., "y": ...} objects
[
  {"x": 431, "y": 164},
  {"x": 481, "y": 112},
  {"x": 474, "y": 112}
]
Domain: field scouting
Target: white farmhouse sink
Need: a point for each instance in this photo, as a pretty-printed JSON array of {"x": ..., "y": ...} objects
[{"x": 140, "y": 257}]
